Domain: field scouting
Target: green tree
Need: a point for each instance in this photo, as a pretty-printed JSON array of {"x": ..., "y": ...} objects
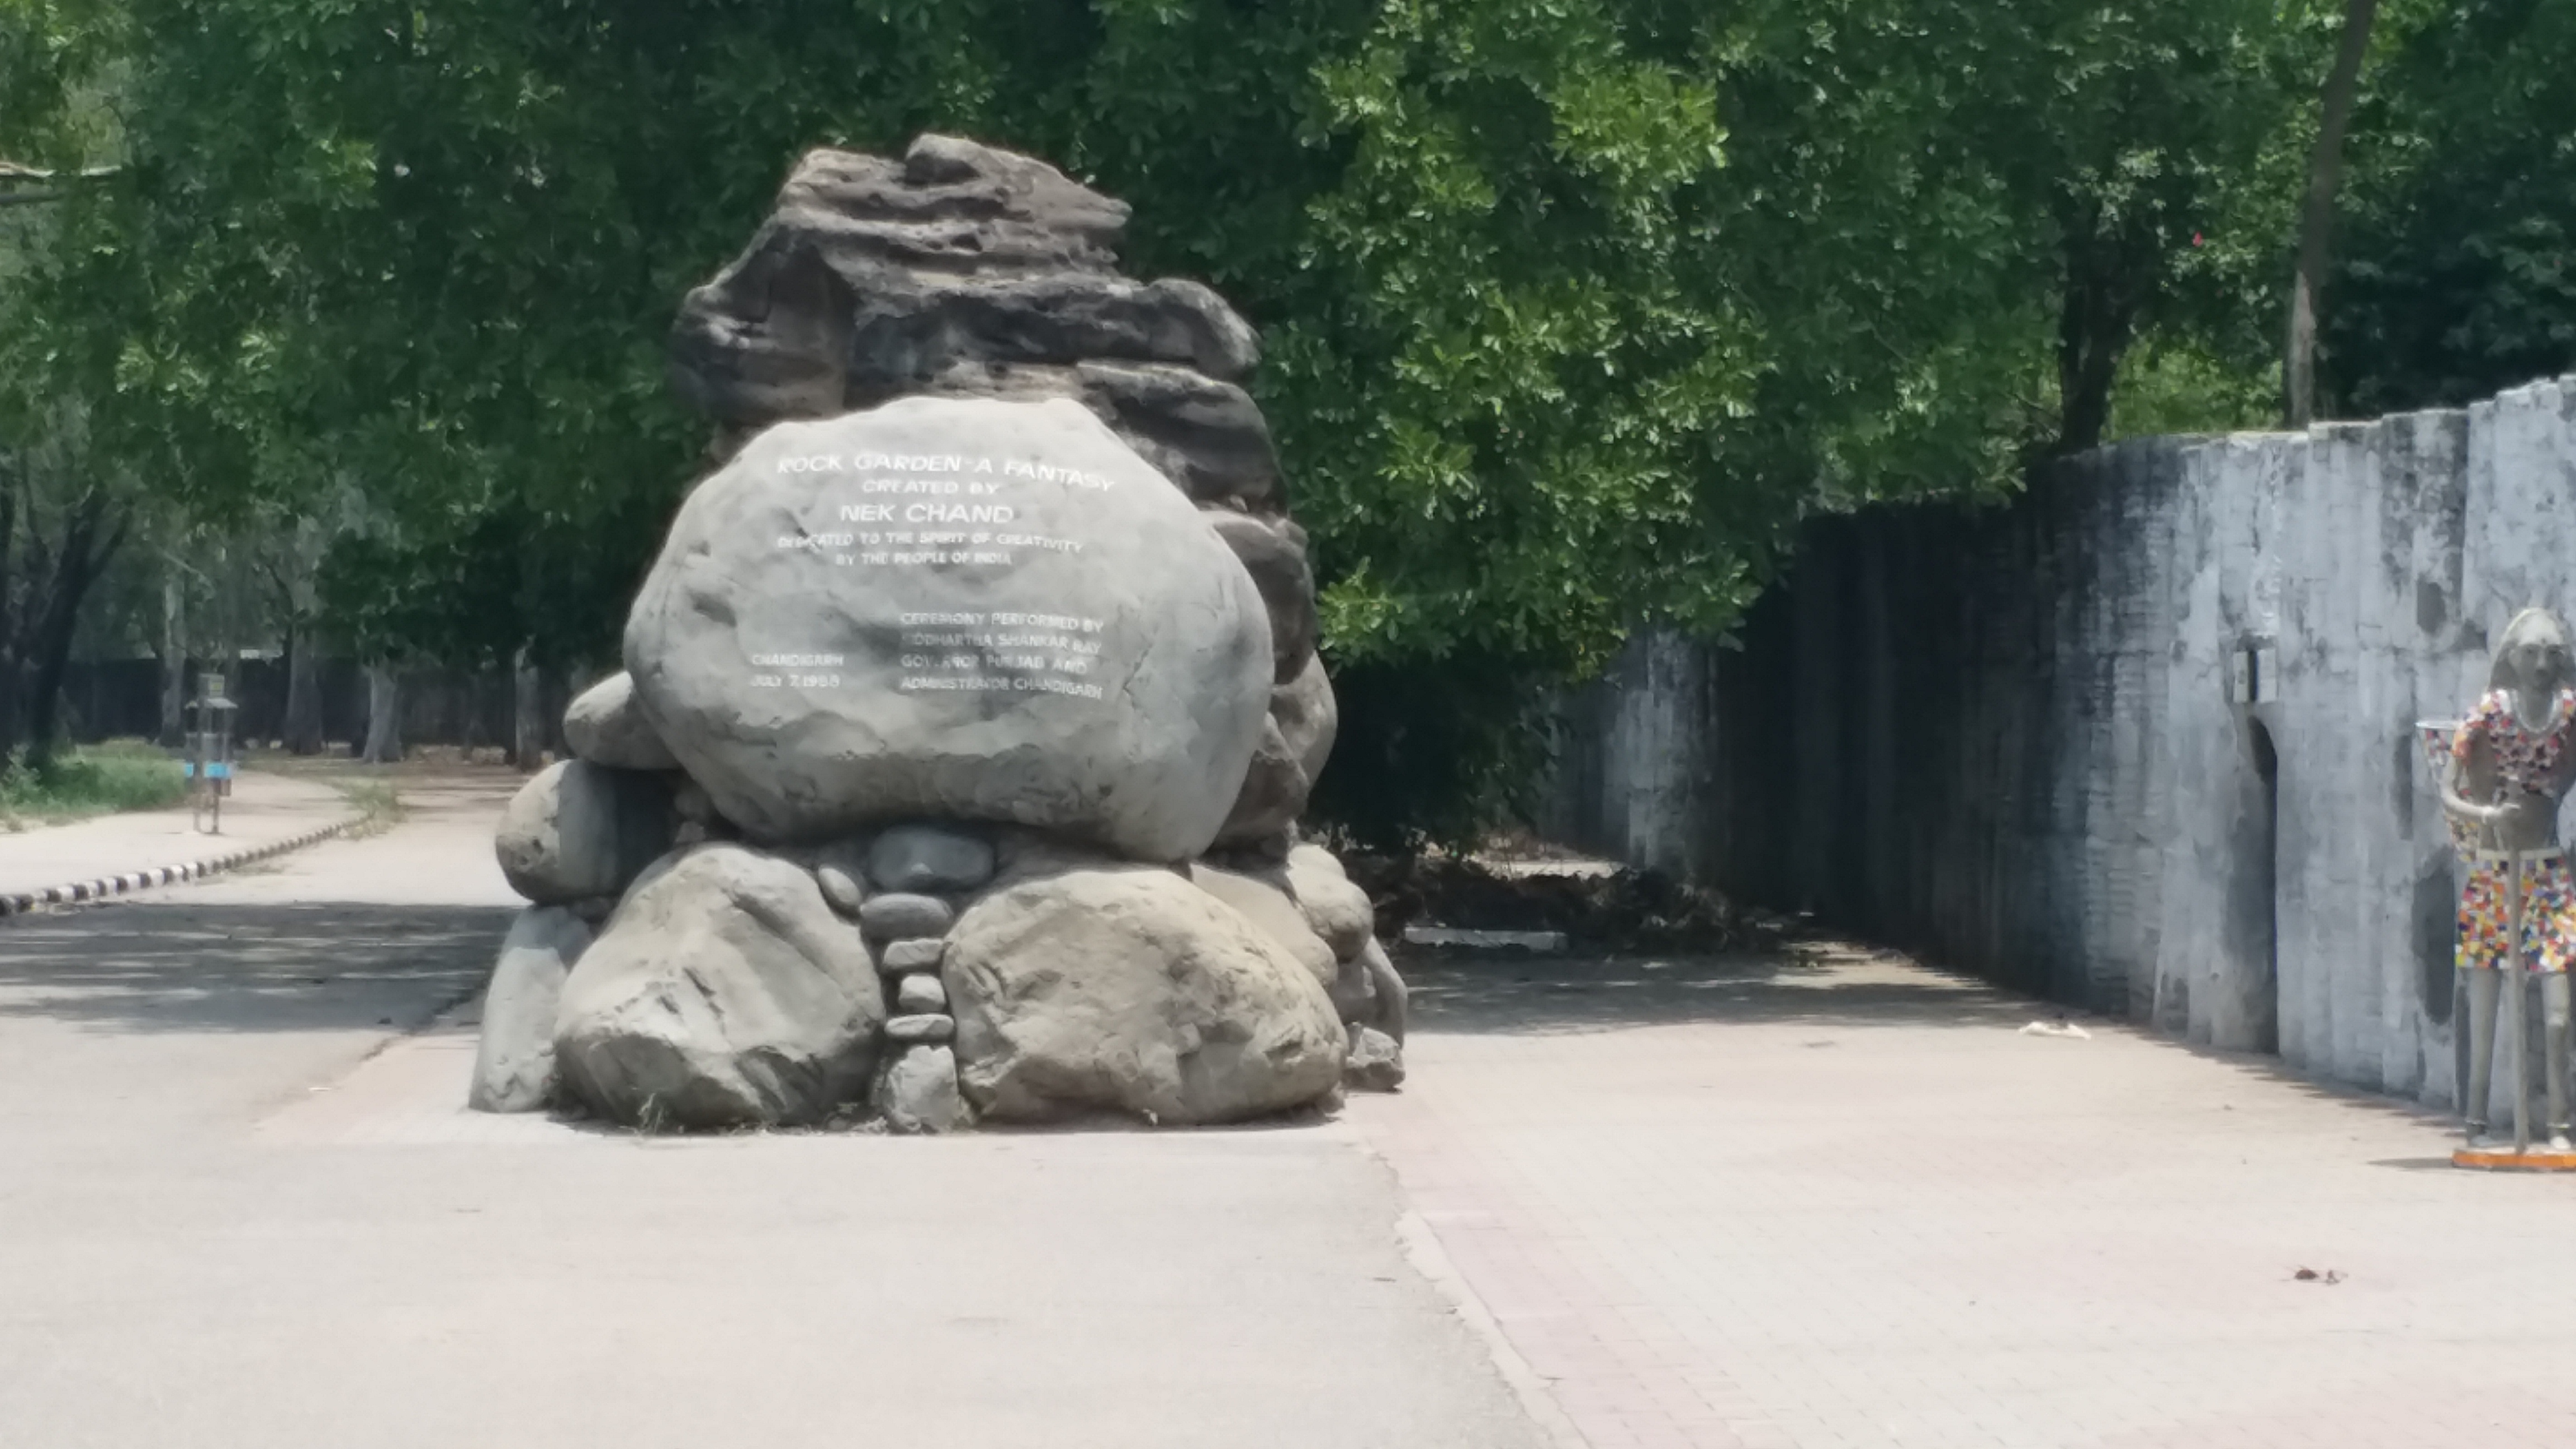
[
  {"x": 2458, "y": 269},
  {"x": 2316, "y": 217},
  {"x": 1573, "y": 307}
]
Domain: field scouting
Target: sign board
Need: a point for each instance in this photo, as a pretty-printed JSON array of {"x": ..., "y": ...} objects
[{"x": 2253, "y": 675}]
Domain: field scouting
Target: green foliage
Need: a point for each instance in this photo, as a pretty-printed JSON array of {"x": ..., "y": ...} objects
[
  {"x": 1433, "y": 754},
  {"x": 1573, "y": 308},
  {"x": 2172, "y": 386},
  {"x": 96, "y": 780},
  {"x": 2458, "y": 267},
  {"x": 379, "y": 804}
]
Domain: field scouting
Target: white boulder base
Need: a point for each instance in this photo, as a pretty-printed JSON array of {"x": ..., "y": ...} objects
[
  {"x": 603, "y": 725},
  {"x": 954, "y": 608},
  {"x": 917, "y": 1092},
  {"x": 1268, "y": 906},
  {"x": 514, "y": 1062},
  {"x": 1338, "y": 910},
  {"x": 1128, "y": 989},
  {"x": 723, "y": 993},
  {"x": 1376, "y": 1061},
  {"x": 579, "y": 830}
]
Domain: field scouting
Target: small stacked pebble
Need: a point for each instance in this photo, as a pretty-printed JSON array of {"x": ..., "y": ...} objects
[{"x": 912, "y": 868}]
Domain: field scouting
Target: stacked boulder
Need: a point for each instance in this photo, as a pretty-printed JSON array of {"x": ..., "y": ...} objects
[
  {"x": 962, "y": 271},
  {"x": 968, "y": 710},
  {"x": 916, "y": 867}
]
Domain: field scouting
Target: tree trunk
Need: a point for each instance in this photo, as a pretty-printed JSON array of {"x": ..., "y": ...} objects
[
  {"x": 45, "y": 692},
  {"x": 528, "y": 715},
  {"x": 83, "y": 558},
  {"x": 2316, "y": 225},
  {"x": 2109, "y": 265},
  {"x": 303, "y": 691},
  {"x": 174, "y": 658},
  {"x": 2093, "y": 325},
  {"x": 9, "y": 622},
  {"x": 384, "y": 716}
]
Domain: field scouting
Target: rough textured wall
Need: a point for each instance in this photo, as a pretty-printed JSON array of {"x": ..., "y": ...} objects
[{"x": 2012, "y": 738}]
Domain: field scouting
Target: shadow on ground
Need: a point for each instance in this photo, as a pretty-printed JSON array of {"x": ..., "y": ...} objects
[
  {"x": 1826, "y": 985},
  {"x": 1539, "y": 994},
  {"x": 246, "y": 968}
]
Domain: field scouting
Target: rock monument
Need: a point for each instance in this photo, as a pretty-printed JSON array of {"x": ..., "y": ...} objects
[{"x": 968, "y": 711}]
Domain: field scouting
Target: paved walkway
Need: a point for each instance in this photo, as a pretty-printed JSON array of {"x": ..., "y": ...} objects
[
  {"x": 240, "y": 1208},
  {"x": 264, "y": 807},
  {"x": 1847, "y": 1204},
  {"x": 1831, "y": 1202}
]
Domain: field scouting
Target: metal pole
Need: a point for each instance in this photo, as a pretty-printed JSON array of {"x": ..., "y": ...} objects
[{"x": 2513, "y": 1012}]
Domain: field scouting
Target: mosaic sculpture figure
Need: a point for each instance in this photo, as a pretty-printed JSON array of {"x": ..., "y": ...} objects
[{"x": 2511, "y": 763}]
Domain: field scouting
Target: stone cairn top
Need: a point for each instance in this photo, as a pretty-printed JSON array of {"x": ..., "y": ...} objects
[{"x": 962, "y": 271}]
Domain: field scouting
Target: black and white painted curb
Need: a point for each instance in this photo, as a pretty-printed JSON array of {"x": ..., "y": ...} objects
[{"x": 19, "y": 903}]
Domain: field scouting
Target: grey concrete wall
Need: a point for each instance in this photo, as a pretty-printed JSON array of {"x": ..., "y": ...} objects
[{"x": 2007, "y": 737}]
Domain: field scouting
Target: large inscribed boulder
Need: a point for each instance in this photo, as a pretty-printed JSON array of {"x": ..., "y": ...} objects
[
  {"x": 957, "y": 270},
  {"x": 1127, "y": 989},
  {"x": 723, "y": 993},
  {"x": 954, "y": 608}
]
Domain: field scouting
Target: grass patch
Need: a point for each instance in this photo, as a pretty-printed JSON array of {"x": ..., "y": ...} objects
[
  {"x": 378, "y": 803},
  {"x": 90, "y": 780}
]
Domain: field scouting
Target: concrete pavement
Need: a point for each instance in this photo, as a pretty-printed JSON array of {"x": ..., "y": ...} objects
[
  {"x": 1834, "y": 1200},
  {"x": 241, "y": 1209},
  {"x": 264, "y": 808},
  {"x": 1843, "y": 1203}
]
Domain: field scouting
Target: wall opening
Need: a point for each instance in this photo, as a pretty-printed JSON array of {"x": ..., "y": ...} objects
[{"x": 2265, "y": 998}]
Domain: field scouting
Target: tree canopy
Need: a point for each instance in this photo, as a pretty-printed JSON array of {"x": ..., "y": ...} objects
[{"x": 1572, "y": 308}]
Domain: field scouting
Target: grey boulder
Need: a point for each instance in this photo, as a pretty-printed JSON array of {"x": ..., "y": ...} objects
[
  {"x": 1308, "y": 717},
  {"x": 960, "y": 270},
  {"x": 580, "y": 829},
  {"x": 921, "y": 1026},
  {"x": 1273, "y": 794},
  {"x": 918, "y": 954},
  {"x": 840, "y": 868},
  {"x": 1206, "y": 436},
  {"x": 839, "y": 890},
  {"x": 902, "y": 916},
  {"x": 514, "y": 1062},
  {"x": 603, "y": 725},
  {"x": 1273, "y": 552},
  {"x": 957, "y": 609},
  {"x": 1267, "y": 906},
  {"x": 1295, "y": 741},
  {"x": 1376, "y": 1061},
  {"x": 724, "y": 993},
  {"x": 929, "y": 858},
  {"x": 1130, "y": 990},
  {"x": 917, "y": 1092},
  {"x": 1368, "y": 992},
  {"x": 1338, "y": 910},
  {"x": 920, "y": 993}
]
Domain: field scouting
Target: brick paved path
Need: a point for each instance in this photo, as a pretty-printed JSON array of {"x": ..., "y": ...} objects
[{"x": 1848, "y": 1204}]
